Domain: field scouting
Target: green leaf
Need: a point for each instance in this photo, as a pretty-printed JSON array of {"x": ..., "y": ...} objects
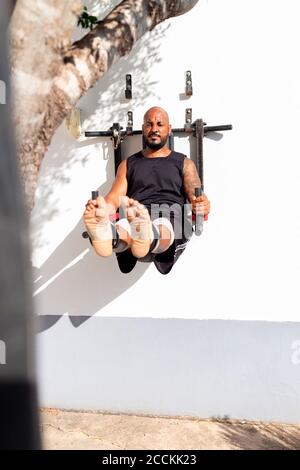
[{"x": 85, "y": 20}]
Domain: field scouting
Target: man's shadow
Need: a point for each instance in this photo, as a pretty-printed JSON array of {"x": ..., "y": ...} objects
[{"x": 76, "y": 281}]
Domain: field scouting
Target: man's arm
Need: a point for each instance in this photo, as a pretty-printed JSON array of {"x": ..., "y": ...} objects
[
  {"x": 191, "y": 181},
  {"x": 119, "y": 187}
]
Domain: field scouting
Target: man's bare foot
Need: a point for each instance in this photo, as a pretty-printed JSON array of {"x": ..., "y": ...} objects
[
  {"x": 141, "y": 228},
  {"x": 96, "y": 219}
]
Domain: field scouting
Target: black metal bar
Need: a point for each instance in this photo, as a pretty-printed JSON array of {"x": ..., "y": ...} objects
[
  {"x": 118, "y": 156},
  {"x": 182, "y": 130},
  {"x": 98, "y": 134},
  {"x": 136, "y": 132},
  {"x": 225, "y": 127},
  {"x": 199, "y": 130},
  {"x": 94, "y": 196},
  {"x": 171, "y": 141}
]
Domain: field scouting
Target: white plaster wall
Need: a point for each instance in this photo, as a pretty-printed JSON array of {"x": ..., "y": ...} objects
[
  {"x": 246, "y": 264},
  {"x": 244, "y": 62}
]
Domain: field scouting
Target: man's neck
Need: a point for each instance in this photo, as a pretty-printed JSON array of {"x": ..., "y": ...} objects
[{"x": 150, "y": 153}]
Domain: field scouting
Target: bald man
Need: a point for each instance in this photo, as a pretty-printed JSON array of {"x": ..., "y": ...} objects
[{"x": 150, "y": 191}]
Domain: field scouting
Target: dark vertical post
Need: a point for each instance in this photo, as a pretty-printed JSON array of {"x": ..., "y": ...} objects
[
  {"x": 199, "y": 218},
  {"x": 144, "y": 143},
  {"x": 171, "y": 141},
  {"x": 18, "y": 401},
  {"x": 118, "y": 156},
  {"x": 199, "y": 130},
  {"x": 116, "y": 138}
]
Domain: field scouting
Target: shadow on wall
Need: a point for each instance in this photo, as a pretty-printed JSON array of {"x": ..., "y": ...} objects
[
  {"x": 77, "y": 282},
  {"x": 66, "y": 159},
  {"x": 106, "y": 102},
  {"x": 74, "y": 280}
]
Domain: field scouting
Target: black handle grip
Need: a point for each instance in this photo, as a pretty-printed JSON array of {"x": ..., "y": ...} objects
[
  {"x": 225, "y": 127},
  {"x": 199, "y": 218},
  {"x": 198, "y": 192},
  {"x": 98, "y": 133}
]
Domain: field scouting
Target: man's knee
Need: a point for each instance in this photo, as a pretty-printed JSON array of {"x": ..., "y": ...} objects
[{"x": 165, "y": 237}]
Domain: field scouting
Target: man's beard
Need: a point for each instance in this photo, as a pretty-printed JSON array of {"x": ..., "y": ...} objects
[{"x": 156, "y": 145}]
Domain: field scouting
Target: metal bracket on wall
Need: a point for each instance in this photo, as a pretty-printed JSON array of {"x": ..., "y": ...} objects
[
  {"x": 188, "y": 120},
  {"x": 128, "y": 89},
  {"x": 129, "y": 127},
  {"x": 188, "y": 83},
  {"x": 116, "y": 134}
]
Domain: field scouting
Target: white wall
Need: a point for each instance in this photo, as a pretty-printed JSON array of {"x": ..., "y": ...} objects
[{"x": 245, "y": 267}]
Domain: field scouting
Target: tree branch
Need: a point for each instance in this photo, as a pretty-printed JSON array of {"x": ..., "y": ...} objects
[{"x": 83, "y": 64}]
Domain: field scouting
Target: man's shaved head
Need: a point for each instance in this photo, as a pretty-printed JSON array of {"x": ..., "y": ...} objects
[{"x": 156, "y": 110}]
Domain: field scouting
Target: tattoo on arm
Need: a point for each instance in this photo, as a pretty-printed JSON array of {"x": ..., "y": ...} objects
[{"x": 191, "y": 178}]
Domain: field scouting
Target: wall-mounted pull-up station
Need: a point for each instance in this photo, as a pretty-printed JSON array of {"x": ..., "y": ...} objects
[{"x": 197, "y": 129}]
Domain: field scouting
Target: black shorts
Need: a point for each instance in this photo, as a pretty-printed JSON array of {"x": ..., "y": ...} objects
[{"x": 165, "y": 261}]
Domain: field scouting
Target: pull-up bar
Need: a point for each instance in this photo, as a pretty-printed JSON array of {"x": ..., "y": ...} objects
[{"x": 198, "y": 129}]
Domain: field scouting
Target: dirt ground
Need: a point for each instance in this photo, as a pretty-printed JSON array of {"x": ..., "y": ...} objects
[{"x": 83, "y": 430}]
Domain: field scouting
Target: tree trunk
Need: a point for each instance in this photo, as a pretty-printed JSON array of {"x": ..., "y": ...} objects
[
  {"x": 40, "y": 33},
  {"x": 50, "y": 80}
]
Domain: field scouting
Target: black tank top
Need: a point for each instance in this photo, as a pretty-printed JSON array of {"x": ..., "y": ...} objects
[{"x": 156, "y": 180}]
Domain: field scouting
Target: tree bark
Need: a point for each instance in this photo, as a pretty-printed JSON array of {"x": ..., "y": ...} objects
[
  {"x": 40, "y": 34},
  {"x": 63, "y": 75}
]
